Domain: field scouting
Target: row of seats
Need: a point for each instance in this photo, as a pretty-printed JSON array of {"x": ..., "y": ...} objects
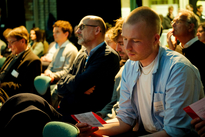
[
  {"x": 60, "y": 129},
  {"x": 54, "y": 128}
]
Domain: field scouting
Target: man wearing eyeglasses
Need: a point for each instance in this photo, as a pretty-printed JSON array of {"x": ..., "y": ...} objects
[
  {"x": 185, "y": 26},
  {"x": 89, "y": 83},
  {"x": 156, "y": 85},
  {"x": 21, "y": 67}
]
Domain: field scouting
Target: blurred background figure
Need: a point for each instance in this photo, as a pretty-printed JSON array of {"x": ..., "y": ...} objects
[
  {"x": 47, "y": 58},
  {"x": 108, "y": 39},
  {"x": 36, "y": 41},
  {"x": 167, "y": 20},
  {"x": 7, "y": 51},
  {"x": 2, "y": 47},
  {"x": 170, "y": 13},
  {"x": 2, "y": 26},
  {"x": 190, "y": 7},
  {"x": 45, "y": 43},
  {"x": 199, "y": 10},
  {"x": 201, "y": 32}
]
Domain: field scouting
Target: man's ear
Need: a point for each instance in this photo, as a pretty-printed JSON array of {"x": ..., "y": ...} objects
[
  {"x": 67, "y": 33},
  {"x": 156, "y": 39},
  {"x": 191, "y": 27},
  {"x": 97, "y": 30},
  {"x": 23, "y": 41}
]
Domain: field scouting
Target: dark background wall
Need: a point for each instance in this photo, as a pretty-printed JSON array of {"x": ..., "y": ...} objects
[{"x": 74, "y": 10}]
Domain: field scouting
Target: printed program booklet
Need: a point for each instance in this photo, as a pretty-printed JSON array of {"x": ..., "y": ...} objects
[
  {"x": 196, "y": 109},
  {"x": 90, "y": 118}
]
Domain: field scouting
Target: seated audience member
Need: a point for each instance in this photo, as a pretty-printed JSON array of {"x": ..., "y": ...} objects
[
  {"x": 108, "y": 39},
  {"x": 21, "y": 67},
  {"x": 109, "y": 111},
  {"x": 199, "y": 126},
  {"x": 190, "y": 7},
  {"x": 25, "y": 115},
  {"x": 201, "y": 32},
  {"x": 36, "y": 42},
  {"x": 46, "y": 59},
  {"x": 94, "y": 69},
  {"x": 166, "y": 23},
  {"x": 167, "y": 20},
  {"x": 2, "y": 47},
  {"x": 102, "y": 62},
  {"x": 156, "y": 84},
  {"x": 64, "y": 56},
  {"x": 45, "y": 43},
  {"x": 185, "y": 26},
  {"x": 6, "y": 51},
  {"x": 116, "y": 34},
  {"x": 170, "y": 13},
  {"x": 199, "y": 11}
]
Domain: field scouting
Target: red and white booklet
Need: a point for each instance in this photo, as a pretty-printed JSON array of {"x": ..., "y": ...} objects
[
  {"x": 90, "y": 118},
  {"x": 196, "y": 109}
]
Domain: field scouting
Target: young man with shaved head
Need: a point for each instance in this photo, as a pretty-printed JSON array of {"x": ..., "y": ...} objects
[{"x": 157, "y": 83}]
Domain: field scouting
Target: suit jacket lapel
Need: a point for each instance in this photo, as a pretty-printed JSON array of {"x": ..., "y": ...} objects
[{"x": 99, "y": 50}]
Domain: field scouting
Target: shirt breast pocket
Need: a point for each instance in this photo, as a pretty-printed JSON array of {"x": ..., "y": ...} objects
[{"x": 158, "y": 104}]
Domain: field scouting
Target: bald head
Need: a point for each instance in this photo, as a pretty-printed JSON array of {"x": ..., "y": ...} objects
[
  {"x": 97, "y": 21},
  {"x": 147, "y": 15}
]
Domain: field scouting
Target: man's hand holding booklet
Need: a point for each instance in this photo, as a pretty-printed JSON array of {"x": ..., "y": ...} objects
[{"x": 90, "y": 118}]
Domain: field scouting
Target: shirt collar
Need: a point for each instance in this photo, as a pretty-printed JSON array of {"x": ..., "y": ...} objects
[
  {"x": 17, "y": 55},
  {"x": 64, "y": 44},
  {"x": 94, "y": 49},
  {"x": 56, "y": 45},
  {"x": 189, "y": 43}
]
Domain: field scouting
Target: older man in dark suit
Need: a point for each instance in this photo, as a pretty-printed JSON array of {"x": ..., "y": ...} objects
[
  {"x": 89, "y": 83},
  {"x": 21, "y": 67}
]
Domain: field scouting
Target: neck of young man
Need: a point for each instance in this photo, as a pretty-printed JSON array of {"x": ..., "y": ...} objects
[
  {"x": 150, "y": 58},
  {"x": 60, "y": 43}
]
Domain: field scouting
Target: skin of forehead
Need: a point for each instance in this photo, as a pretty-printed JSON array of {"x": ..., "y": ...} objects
[
  {"x": 90, "y": 19},
  {"x": 182, "y": 15}
]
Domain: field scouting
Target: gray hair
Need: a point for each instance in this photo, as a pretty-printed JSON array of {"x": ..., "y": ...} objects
[{"x": 192, "y": 18}]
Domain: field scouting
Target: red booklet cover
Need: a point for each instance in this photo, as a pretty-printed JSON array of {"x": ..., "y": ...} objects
[
  {"x": 190, "y": 112},
  {"x": 196, "y": 109},
  {"x": 90, "y": 118}
]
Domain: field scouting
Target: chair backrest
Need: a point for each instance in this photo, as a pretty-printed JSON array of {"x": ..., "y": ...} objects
[
  {"x": 41, "y": 83},
  {"x": 60, "y": 129},
  {"x": 2, "y": 60}
]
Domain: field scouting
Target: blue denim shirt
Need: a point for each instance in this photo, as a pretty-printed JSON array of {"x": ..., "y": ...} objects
[{"x": 176, "y": 84}]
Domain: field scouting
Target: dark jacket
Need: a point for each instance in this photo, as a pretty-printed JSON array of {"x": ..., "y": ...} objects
[
  {"x": 25, "y": 115},
  {"x": 195, "y": 53},
  {"x": 28, "y": 66},
  {"x": 100, "y": 72}
]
